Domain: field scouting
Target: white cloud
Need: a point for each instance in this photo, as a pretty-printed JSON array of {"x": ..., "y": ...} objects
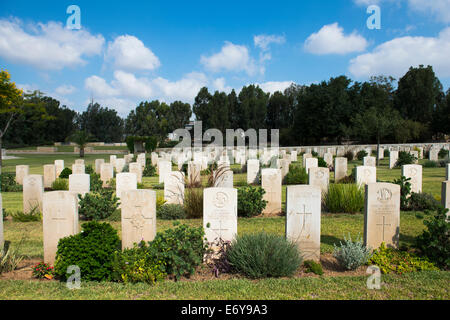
[
  {"x": 129, "y": 53},
  {"x": 231, "y": 58},
  {"x": 219, "y": 84},
  {"x": 394, "y": 57},
  {"x": 367, "y": 2},
  {"x": 332, "y": 40},
  {"x": 65, "y": 90},
  {"x": 98, "y": 87},
  {"x": 263, "y": 41},
  {"x": 273, "y": 86},
  {"x": 184, "y": 89},
  {"x": 47, "y": 46},
  {"x": 130, "y": 86},
  {"x": 439, "y": 8}
]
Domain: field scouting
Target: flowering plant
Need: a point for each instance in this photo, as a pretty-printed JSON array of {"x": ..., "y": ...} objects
[{"x": 43, "y": 270}]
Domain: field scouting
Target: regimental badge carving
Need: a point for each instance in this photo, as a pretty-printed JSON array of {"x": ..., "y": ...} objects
[
  {"x": 367, "y": 173},
  {"x": 413, "y": 172},
  {"x": 384, "y": 194},
  {"x": 220, "y": 200},
  {"x": 319, "y": 174},
  {"x": 138, "y": 221}
]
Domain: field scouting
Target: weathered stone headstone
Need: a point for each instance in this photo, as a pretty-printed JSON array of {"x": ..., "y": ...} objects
[
  {"x": 340, "y": 168},
  {"x": 413, "y": 171},
  {"x": 33, "y": 191},
  {"x": 165, "y": 167},
  {"x": 447, "y": 172},
  {"x": 79, "y": 183},
  {"x": 224, "y": 178},
  {"x": 21, "y": 172},
  {"x": 382, "y": 215},
  {"x": 393, "y": 157},
  {"x": 59, "y": 167},
  {"x": 445, "y": 196},
  {"x": 154, "y": 159},
  {"x": 120, "y": 164},
  {"x": 78, "y": 169},
  {"x": 311, "y": 163},
  {"x": 252, "y": 171},
  {"x": 60, "y": 219},
  {"x": 433, "y": 155},
  {"x": 381, "y": 153},
  {"x": 284, "y": 167},
  {"x": 319, "y": 177},
  {"x": 303, "y": 208},
  {"x": 98, "y": 164},
  {"x": 271, "y": 183},
  {"x": 328, "y": 157},
  {"x": 124, "y": 182},
  {"x": 138, "y": 216},
  {"x": 365, "y": 175},
  {"x": 220, "y": 214},
  {"x": 79, "y": 161},
  {"x": 49, "y": 175},
  {"x": 294, "y": 156},
  {"x": 106, "y": 173},
  {"x": 415, "y": 154},
  {"x": 128, "y": 158},
  {"x": 174, "y": 187},
  {"x": 305, "y": 156},
  {"x": 369, "y": 161},
  {"x": 135, "y": 167},
  {"x": 112, "y": 160}
]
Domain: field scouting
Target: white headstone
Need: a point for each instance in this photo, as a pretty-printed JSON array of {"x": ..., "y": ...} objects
[
  {"x": 382, "y": 215},
  {"x": 106, "y": 173},
  {"x": 340, "y": 168},
  {"x": 413, "y": 171},
  {"x": 294, "y": 156},
  {"x": 393, "y": 157},
  {"x": 447, "y": 172},
  {"x": 49, "y": 175},
  {"x": 78, "y": 169},
  {"x": 21, "y": 172},
  {"x": 311, "y": 163},
  {"x": 125, "y": 182},
  {"x": 369, "y": 161},
  {"x": 328, "y": 157},
  {"x": 271, "y": 183},
  {"x": 120, "y": 164},
  {"x": 445, "y": 196},
  {"x": 79, "y": 161},
  {"x": 319, "y": 177},
  {"x": 224, "y": 178},
  {"x": 79, "y": 183},
  {"x": 138, "y": 216},
  {"x": 33, "y": 191},
  {"x": 135, "y": 167},
  {"x": 112, "y": 160},
  {"x": 303, "y": 208},
  {"x": 252, "y": 171},
  {"x": 98, "y": 164},
  {"x": 220, "y": 214},
  {"x": 365, "y": 175},
  {"x": 305, "y": 156},
  {"x": 60, "y": 219},
  {"x": 174, "y": 187},
  {"x": 59, "y": 167},
  {"x": 194, "y": 171},
  {"x": 165, "y": 167}
]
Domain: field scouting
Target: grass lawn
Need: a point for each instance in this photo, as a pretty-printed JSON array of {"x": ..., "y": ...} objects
[{"x": 423, "y": 285}]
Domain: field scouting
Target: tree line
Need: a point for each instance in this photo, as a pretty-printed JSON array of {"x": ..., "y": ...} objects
[{"x": 336, "y": 111}]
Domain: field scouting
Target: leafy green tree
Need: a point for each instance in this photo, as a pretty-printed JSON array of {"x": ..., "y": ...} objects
[
  {"x": 179, "y": 115},
  {"x": 252, "y": 108},
  {"x": 81, "y": 138}
]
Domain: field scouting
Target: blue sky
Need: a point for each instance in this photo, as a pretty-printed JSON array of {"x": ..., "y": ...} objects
[{"x": 130, "y": 51}]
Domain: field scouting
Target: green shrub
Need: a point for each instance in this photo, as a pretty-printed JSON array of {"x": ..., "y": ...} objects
[
  {"x": 115, "y": 216},
  {"x": 263, "y": 255},
  {"x": 159, "y": 186},
  {"x": 92, "y": 250},
  {"x": 386, "y": 153},
  {"x": 396, "y": 261},
  {"x": 443, "y": 163},
  {"x": 349, "y": 155},
  {"x": 60, "y": 184},
  {"x": 422, "y": 202},
  {"x": 138, "y": 264},
  {"x": 89, "y": 169},
  {"x": 314, "y": 154},
  {"x": 10, "y": 258},
  {"x": 193, "y": 203},
  {"x": 405, "y": 158},
  {"x": 405, "y": 191},
  {"x": 361, "y": 154},
  {"x": 149, "y": 170},
  {"x": 179, "y": 249},
  {"x": 98, "y": 205},
  {"x": 314, "y": 267},
  {"x": 296, "y": 175},
  {"x": 434, "y": 242},
  {"x": 322, "y": 163},
  {"x": 443, "y": 154},
  {"x": 344, "y": 198},
  {"x": 351, "y": 255},
  {"x": 250, "y": 201},
  {"x": 96, "y": 184},
  {"x": 65, "y": 173},
  {"x": 430, "y": 164},
  {"x": 33, "y": 215},
  {"x": 171, "y": 211},
  {"x": 130, "y": 143},
  {"x": 8, "y": 183},
  {"x": 241, "y": 183}
]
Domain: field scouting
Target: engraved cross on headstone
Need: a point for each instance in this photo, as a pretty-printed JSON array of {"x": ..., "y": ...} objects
[
  {"x": 383, "y": 224},
  {"x": 219, "y": 230},
  {"x": 138, "y": 219},
  {"x": 303, "y": 220}
]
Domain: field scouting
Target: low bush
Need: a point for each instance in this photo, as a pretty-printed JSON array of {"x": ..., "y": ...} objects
[
  {"x": 60, "y": 184},
  {"x": 351, "y": 255},
  {"x": 314, "y": 267},
  {"x": 241, "y": 183},
  {"x": 98, "y": 205},
  {"x": 217, "y": 259},
  {"x": 386, "y": 153},
  {"x": 10, "y": 258},
  {"x": 349, "y": 155},
  {"x": 92, "y": 250},
  {"x": 138, "y": 264},
  {"x": 434, "y": 242},
  {"x": 405, "y": 191},
  {"x": 170, "y": 211},
  {"x": 20, "y": 216},
  {"x": 96, "y": 184},
  {"x": 65, "y": 173},
  {"x": 431, "y": 164},
  {"x": 193, "y": 203},
  {"x": 149, "y": 170},
  {"x": 396, "y": 261},
  {"x": 8, "y": 183},
  {"x": 344, "y": 198},
  {"x": 405, "y": 158},
  {"x": 443, "y": 153},
  {"x": 250, "y": 201},
  {"x": 443, "y": 163},
  {"x": 422, "y": 202},
  {"x": 158, "y": 186},
  {"x": 361, "y": 154},
  {"x": 322, "y": 163},
  {"x": 263, "y": 255},
  {"x": 296, "y": 175}
]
